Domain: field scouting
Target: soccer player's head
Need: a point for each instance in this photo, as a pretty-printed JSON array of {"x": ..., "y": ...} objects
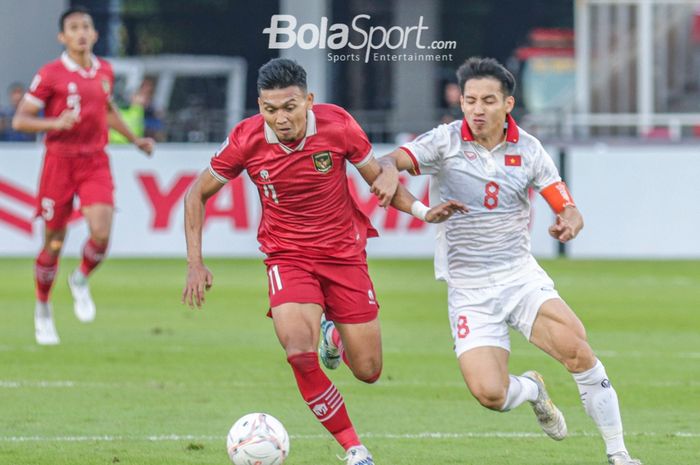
[
  {"x": 76, "y": 30},
  {"x": 283, "y": 98},
  {"x": 487, "y": 95}
]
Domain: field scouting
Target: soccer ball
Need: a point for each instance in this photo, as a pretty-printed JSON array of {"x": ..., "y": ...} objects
[{"x": 257, "y": 439}]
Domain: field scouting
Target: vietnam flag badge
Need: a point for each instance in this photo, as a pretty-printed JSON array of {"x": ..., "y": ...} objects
[{"x": 514, "y": 160}]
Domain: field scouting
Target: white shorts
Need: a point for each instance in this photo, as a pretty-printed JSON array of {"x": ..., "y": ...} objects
[{"x": 481, "y": 317}]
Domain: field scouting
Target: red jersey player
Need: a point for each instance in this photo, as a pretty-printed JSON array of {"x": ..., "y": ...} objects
[
  {"x": 311, "y": 231},
  {"x": 75, "y": 94}
]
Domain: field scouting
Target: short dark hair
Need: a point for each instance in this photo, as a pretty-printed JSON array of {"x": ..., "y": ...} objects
[
  {"x": 279, "y": 73},
  {"x": 477, "y": 67},
  {"x": 72, "y": 10}
]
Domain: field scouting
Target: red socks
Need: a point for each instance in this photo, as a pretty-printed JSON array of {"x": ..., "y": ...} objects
[
  {"x": 323, "y": 398},
  {"x": 93, "y": 254},
  {"x": 45, "y": 269}
]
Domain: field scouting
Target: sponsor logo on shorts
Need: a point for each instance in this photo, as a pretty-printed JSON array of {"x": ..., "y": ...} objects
[
  {"x": 372, "y": 300},
  {"x": 264, "y": 175},
  {"x": 605, "y": 383},
  {"x": 323, "y": 162}
]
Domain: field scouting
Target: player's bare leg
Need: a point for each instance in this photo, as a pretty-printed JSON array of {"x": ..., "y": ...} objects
[
  {"x": 361, "y": 348},
  {"x": 559, "y": 332},
  {"x": 45, "y": 270},
  {"x": 297, "y": 328},
  {"x": 99, "y": 219},
  {"x": 485, "y": 370}
]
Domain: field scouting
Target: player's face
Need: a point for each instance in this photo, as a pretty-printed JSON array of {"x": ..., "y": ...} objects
[
  {"x": 284, "y": 110},
  {"x": 78, "y": 34},
  {"x": 485, "y": 107}
]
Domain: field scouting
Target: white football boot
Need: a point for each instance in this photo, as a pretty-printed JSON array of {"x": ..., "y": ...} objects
[
  {"x": 44, "y": 328},
  {"x": 327, "y": 351},
  {"x": 83, "y": 306},
  {"x": 622, "y": 458},
  {"x": 358, "y": 455},
  {"x": 548, "y": 415}
]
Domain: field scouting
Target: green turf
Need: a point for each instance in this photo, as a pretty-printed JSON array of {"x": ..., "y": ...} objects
[{"x": 151, "y": 382}]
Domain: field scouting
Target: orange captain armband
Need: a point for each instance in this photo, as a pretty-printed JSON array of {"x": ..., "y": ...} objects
[{"x": 558, "y": 196}]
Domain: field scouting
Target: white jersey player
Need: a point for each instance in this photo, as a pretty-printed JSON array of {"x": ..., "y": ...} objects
[{"x": 489, "y": 164}]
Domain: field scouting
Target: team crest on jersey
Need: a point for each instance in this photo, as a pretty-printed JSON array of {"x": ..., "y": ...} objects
[
  {"x": 323, "y": 162},
  {"x": 471, "y": 156},
  {"x": 106, "y": 86},
  {"x": 514, "y": 160}
]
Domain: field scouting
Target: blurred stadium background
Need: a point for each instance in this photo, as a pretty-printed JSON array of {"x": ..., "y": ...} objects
[{"x": 612, "y": 88}]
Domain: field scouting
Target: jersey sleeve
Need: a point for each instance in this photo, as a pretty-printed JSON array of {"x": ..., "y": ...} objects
[
  {"x": 228, "y": 161},
  {"x": 110, "y": 75},
  {"x": 40, "y": 90},
  {"x": 544, "y": 171},
  {"x": 358, "y": 148},
  {"x": 428, "y": 150}
]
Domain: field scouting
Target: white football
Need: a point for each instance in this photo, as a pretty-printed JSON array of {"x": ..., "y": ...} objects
[{"x": 257, "y": 439}]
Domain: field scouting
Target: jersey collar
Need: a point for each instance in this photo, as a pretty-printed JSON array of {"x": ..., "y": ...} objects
[
  {"x": 271, "y": 137},
  {"x": 75, "y": 67},
  {"x": 512, "y": 132}
]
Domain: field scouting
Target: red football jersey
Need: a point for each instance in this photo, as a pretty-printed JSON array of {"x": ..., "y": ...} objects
[
  {"x": 63, "y": 84},
  {"x": 306, "y": 203}
]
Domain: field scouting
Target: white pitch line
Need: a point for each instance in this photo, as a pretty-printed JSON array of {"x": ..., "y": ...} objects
[{"x": 422, "y": 435}]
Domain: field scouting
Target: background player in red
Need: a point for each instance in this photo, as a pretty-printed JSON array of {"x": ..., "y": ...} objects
[
  {"x": 75, "y": 94},
  {"x": 311, "y": 231}
]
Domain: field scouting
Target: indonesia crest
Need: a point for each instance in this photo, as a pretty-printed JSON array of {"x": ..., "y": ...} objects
[
  {"x": 106, "y": 86},
  {"x": 323, "y": 162}
]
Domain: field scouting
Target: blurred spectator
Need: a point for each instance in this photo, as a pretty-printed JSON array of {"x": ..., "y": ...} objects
[
  {"x": 15, "y": 93},
  {"x": 140, "y": 116},
  {"x": 153, "y": 118},
  {"x": 452, "y": 110}
]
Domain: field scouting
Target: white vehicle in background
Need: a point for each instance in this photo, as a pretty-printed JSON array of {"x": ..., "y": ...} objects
[{"x": 198, "y": 97}]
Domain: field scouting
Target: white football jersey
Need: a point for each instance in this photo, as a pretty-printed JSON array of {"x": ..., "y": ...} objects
[{"x": 490, "y": 244}]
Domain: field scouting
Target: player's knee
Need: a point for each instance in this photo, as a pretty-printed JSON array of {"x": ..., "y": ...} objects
[
  {"x": 100, "y": 236},
  {"x": 54, "y": 246},
  {"x": 580, "y": 357},
  {"x": 54, "y": 242},
  {"x": 369, "y": 373},
  {"x": 492, "y": 398}
]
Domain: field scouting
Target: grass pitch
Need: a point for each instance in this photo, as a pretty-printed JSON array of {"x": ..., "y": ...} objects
[{"x": 152, "y": 382}]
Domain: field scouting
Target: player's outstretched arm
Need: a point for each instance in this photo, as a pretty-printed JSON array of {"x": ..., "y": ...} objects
[
  {"x": 27, "y": 119},
  {"x": 199, "y": 278},
  {"x": 402, "y": 199},
  {"x": 116, "y": 122},
  {"x": 386, "y": 183},
  {"x": 567, "y": 225}
]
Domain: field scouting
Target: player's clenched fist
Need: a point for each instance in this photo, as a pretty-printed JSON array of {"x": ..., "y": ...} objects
[{"x": 66, "y": 120}]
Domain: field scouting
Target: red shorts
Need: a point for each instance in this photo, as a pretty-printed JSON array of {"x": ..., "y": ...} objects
[
  {"x": 343, "y": 289},
  {"x": 62, "y": 178}
]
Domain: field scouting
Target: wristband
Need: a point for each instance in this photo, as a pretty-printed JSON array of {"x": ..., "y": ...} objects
[
  {"x": 419, "y": 210},
  {"x": 558, "y": 197}
]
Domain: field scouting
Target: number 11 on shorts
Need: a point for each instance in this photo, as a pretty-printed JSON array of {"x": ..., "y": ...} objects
[
  {"x": 275, "y": 279},
  {"x": 462, "y": 327}
]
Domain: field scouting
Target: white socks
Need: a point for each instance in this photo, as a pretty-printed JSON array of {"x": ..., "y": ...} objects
[
  {"x": 600, "y": 402},
  {"x": 520, "y": 389}
]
